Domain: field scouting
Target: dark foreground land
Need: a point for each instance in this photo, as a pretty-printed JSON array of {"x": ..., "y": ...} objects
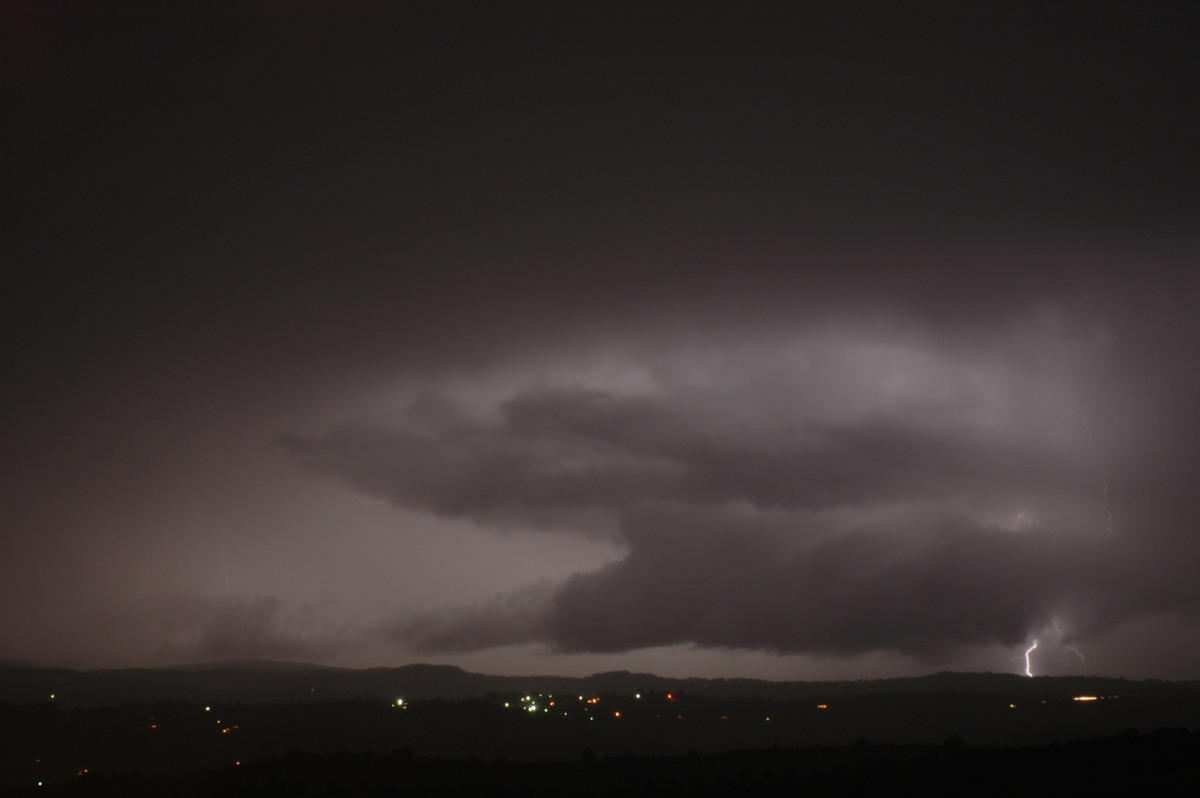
[
  {"x": 977, "y": 734},
  {"x": 1164, "y": 762}
]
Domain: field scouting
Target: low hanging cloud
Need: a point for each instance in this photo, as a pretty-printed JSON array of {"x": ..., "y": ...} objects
[
  {"x": 203, "y": 629},
  {"x": 823, "y": 495},
  {"x": 918, "y": 582}
]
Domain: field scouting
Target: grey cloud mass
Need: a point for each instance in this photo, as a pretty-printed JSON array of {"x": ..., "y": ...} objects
[
  {"x": 831, "y": 493},
  {"x": 257, "y": 628},
  {"x": 600, "y": 335}
]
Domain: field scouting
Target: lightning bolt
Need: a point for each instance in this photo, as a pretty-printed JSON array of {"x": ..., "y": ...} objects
[
  {"x": 1082, "y": 660},
  {"x": 1068, "y": 649},
  {"x": 1028, "y": 664}
]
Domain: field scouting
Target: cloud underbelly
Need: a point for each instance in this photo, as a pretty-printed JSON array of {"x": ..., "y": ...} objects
[{"x": 835, "y": 494}]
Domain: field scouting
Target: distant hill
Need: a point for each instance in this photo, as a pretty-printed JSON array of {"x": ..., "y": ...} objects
[
  {"x": 287, "y": 682},
  {"x": 58, "y": 723}
]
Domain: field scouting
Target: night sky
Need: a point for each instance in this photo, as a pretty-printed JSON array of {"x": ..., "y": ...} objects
[{"x": 582, "y": 337}]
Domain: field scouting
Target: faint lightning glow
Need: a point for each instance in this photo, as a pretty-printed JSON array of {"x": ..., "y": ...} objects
[
  {"x": 1028, "y": 663},
  {"x": 1024, "y": 520},
  {"x": 1082, "y": 661},
  {"x": 1068, "y": 647}
]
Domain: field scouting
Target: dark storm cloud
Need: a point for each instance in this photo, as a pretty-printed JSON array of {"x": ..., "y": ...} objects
[
  {"x": 585, "y": 450},
  {"x": 822, "y": 493},
  {"x": 454, "y": 465},
  {"x": 922, "y": 582},
  {"x": 517, "y": 617},
  {"x": 914, "y": 586}
]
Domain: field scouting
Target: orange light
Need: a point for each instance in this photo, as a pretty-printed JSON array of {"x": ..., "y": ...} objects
[
  {"x": 1085, "y": 698},
  {"x": 616, "y": 714},
  {"x": 822, "y": 706}
]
